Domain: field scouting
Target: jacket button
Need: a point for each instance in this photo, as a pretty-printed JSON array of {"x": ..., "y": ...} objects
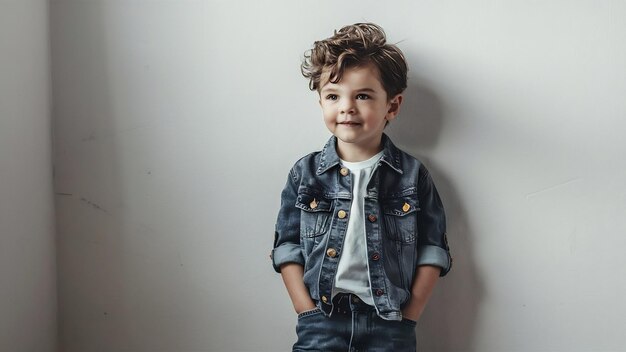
[
  {"x": 372, "y": 218},
  {"x": 379, "y": 292},
  {"x": 375, "y": 256},
  {"x": 344, "y": 172},
  {"x": 406, "y": 207},
  {"x": 341, "y": 214},
  {"x": 313, "y": 204},
  {"x": 324, "y": 299},
  {"x": 331, "y": 252}
]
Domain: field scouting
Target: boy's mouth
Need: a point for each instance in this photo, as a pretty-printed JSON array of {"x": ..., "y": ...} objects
[{"x": 349, "y": 123}]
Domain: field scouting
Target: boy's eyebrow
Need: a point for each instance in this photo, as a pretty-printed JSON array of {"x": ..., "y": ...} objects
[{"x": 331, "y": 89}]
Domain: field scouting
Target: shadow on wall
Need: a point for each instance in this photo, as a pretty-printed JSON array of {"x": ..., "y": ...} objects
[{"x": 450, "y": 317}]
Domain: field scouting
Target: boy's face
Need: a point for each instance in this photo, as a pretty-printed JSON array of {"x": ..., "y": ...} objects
[{"x": 356, "y": 108}]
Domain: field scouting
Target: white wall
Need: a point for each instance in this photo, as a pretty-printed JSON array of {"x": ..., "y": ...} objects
[
  {"x": 27, "y": 243},
  {"x": 177, "y": 121}
]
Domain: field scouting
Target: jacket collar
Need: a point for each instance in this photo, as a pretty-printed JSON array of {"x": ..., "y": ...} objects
[{"x": 329, "y": 157}]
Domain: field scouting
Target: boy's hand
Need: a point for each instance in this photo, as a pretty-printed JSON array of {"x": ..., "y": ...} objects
[
  {"x": 306, "y": 307},
  {"x": 408, "y": 315},
  {"x": 292, "y": 274},
  {"x": 425, "y": 279}
]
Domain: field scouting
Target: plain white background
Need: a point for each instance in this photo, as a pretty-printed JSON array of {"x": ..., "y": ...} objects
[{"x": 176, "y": 122}]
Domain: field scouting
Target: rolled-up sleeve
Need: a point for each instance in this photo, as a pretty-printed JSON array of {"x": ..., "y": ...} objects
[
  {"x": 431, "y": 226},
  {"x": 287, "y": 235}
]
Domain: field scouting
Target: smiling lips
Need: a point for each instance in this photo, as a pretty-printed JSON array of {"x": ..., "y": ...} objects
[{"x": 349, "y": 123}]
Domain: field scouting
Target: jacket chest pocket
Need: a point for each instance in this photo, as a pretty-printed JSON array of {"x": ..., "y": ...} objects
[
  {"x": 315, "y": 214},
  {"x": 401, "y": 218}
]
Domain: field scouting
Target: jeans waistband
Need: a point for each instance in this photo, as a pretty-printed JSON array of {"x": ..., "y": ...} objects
[{"x": 345, "y": 303}]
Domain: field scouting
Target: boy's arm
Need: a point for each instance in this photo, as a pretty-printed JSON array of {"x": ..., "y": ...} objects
[
  {"x": 287, "y": 235},
  {"x": 425, "y": 279},
  {"x": 432, "y": 246},
  {"x": 292, "y": 274},
  {"x": 286, "y": 255},
  {"x": 433, "y": 252}
]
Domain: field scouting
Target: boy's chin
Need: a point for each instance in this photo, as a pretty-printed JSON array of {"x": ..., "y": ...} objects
[{"x": 357, "y": 138}]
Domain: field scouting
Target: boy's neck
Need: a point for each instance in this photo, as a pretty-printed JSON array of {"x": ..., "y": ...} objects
[{"x": 353, "y": 152}]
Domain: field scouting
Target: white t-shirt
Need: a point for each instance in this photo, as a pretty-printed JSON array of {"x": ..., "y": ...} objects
[{"x": 352, "y": 270}]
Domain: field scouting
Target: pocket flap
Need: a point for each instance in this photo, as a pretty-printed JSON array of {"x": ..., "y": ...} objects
[
  {"x": 400, "y": 206},
  {"x": 313, "y": 202}
]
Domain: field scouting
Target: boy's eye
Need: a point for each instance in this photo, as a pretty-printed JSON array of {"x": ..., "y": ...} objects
[
  {"x": 331, "y": 97},
  {"x": 362, "y": 96}
]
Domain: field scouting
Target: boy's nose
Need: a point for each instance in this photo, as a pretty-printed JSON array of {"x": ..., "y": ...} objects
[{"x": 347, "y": 107}]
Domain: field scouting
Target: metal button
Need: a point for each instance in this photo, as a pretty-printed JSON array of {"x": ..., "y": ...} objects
[
  {"x": 313, "y": 204},
  {"x": 341, "y": 214},
  {"x": 331, "y": 252},
  {"x": 372, "y": 218},
  {"x": 406, "y": 207},
  {"x": 344, "y": 172},
  {"x": 324, "y": 299},
  {"x": 379, "y": 292},
  {"x": 375, "y": 256}
]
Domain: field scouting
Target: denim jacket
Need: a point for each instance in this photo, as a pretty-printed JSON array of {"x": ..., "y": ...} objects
[{"x": 405, "y": 225}]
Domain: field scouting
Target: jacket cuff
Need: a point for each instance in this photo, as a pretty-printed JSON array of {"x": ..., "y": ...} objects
[
  {"x": 433, "y": 255},
  {"x": 286, "y": 253}
]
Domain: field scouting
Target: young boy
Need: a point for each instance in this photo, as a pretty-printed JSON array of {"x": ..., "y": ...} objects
[{"x": 360, "y": 237}]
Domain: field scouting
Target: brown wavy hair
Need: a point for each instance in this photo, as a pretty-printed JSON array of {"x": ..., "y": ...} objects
[{"x": 353, "y": 46}]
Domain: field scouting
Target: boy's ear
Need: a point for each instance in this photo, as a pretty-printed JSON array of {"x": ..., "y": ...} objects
[{"x": 394, "y": 107}]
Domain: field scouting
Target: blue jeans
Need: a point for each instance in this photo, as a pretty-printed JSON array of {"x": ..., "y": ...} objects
[{"x": 353, "y": 326}]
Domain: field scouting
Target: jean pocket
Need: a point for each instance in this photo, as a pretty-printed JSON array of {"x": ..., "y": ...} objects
[
  {"x": 401, "y": 218},
  {"x": 315, "y": 213},
  {"x": 409, "y": 322},
  {"x": 309, "y": 312}
]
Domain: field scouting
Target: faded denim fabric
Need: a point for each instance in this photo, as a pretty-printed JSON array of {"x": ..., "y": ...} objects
[
  {"x": 405, "y": 225},
  {"x": 353, "y": 326}
]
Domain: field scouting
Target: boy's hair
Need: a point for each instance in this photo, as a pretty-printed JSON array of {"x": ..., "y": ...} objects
[{"x": 352, "y": 46}]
